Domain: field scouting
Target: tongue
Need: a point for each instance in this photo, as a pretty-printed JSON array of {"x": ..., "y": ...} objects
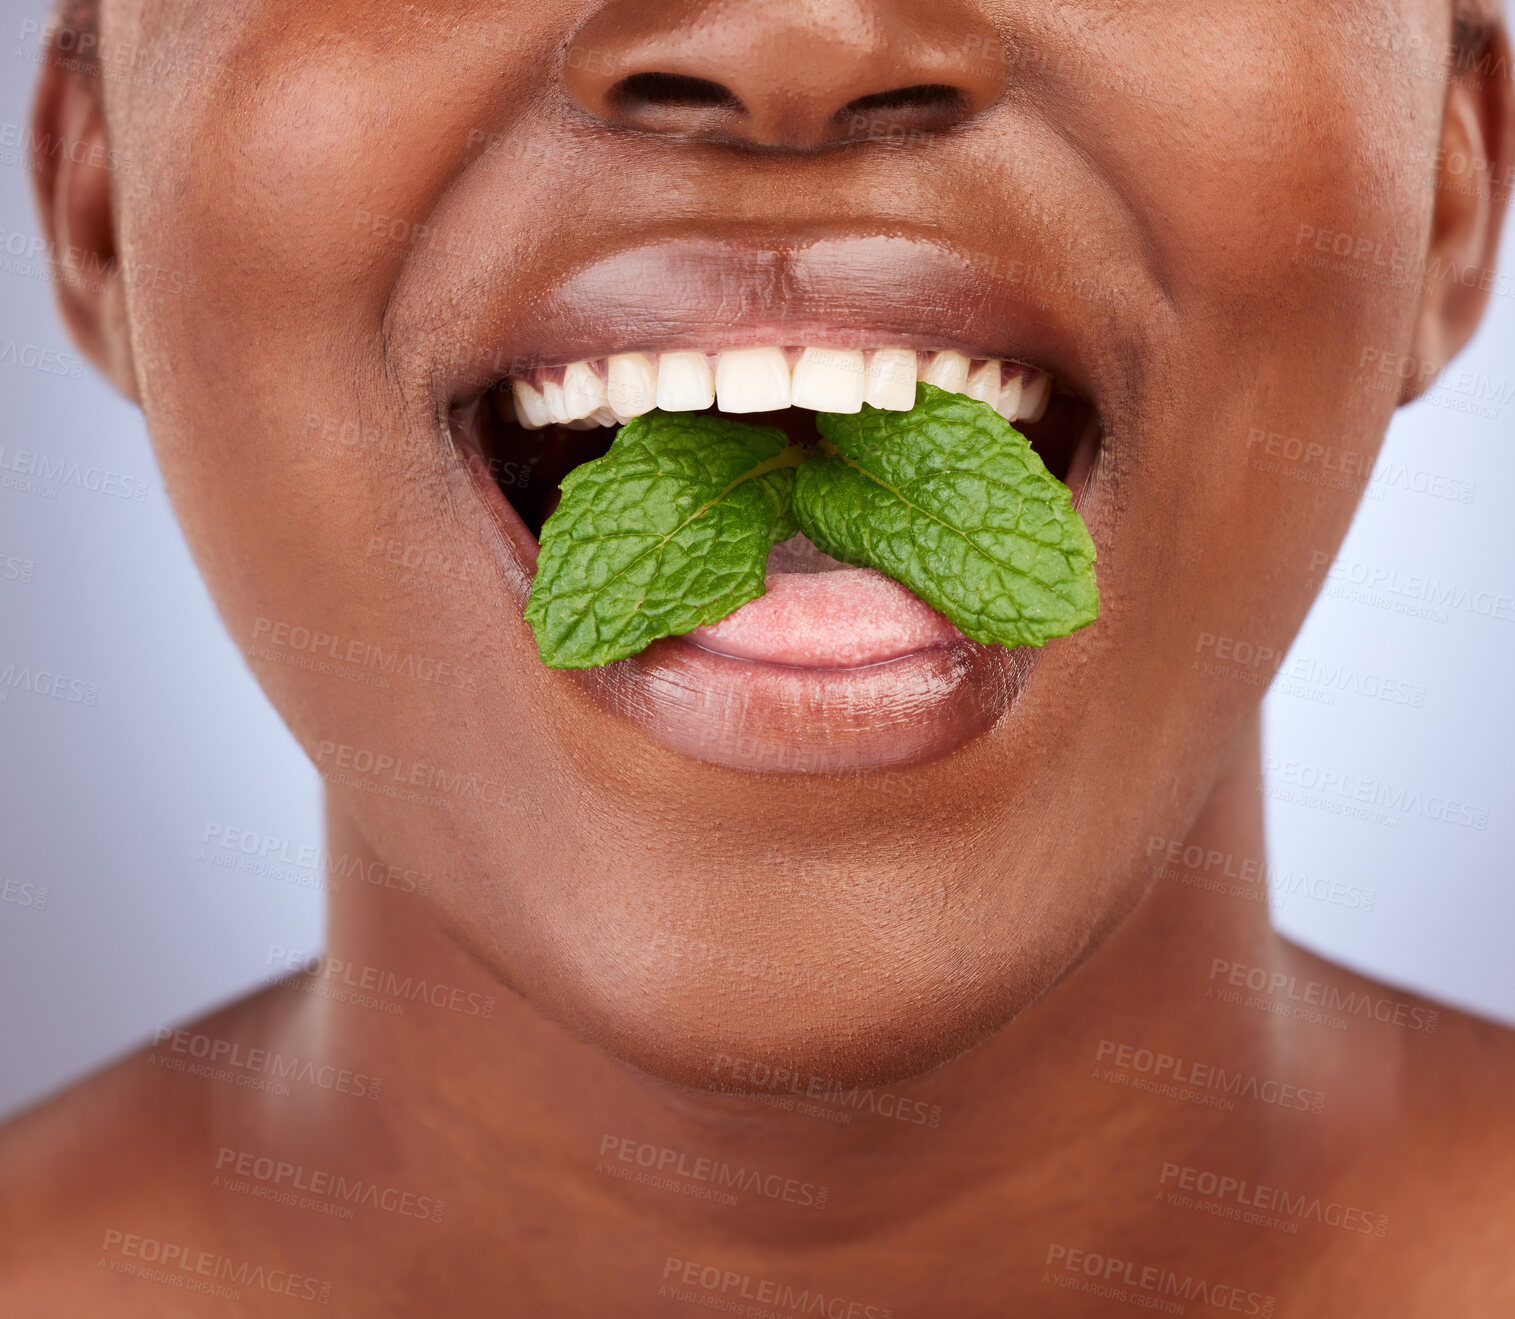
[{"x": 819, "y": 613}]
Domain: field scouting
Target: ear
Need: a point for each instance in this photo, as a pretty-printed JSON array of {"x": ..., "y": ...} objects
[
  {"x": 1475, "y": 167},
  {"x": 71, "y": 179}
]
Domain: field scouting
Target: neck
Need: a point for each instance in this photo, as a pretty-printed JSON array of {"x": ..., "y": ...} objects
[{"x": 481, "y": 1107}]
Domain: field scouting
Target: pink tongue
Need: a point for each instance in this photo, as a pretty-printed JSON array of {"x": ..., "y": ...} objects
[{"x": 838, "y": 619}]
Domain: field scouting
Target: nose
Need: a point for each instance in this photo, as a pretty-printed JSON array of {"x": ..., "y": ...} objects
[{"x": 784, "y": 73}]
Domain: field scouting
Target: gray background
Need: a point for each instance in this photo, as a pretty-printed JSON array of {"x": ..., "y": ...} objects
[{"x": 105, "y": 806}]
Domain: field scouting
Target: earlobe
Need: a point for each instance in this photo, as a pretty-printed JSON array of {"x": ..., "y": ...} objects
[
  {"x": 1475, "y": 168},
  {"x": 71, "y": 179}
]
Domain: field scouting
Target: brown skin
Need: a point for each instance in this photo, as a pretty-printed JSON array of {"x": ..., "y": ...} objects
[{"x": 977, "y": 904}]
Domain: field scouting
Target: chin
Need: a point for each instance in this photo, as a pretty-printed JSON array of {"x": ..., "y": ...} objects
[
  {"x": 863, "y": 976},
  {"x": 718, "y": 1037}
]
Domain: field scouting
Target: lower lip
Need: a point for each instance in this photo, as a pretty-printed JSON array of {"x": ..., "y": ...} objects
[
  {"x": 816, "y": 676},
  {"x": 757, "y": 716}
]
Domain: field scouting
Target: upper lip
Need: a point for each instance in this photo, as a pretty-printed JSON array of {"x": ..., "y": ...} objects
[{"x": 705, "y": 293}]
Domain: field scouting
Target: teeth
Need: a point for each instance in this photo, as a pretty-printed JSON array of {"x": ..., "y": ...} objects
[
  {"x": 947, "y": 371},
  {"x": 1035, "y": 394},
  {"x": 531, "y": 407},
  {"x": 631, "y": 385},
  {"x": 1009, "y": 401},
  {"x": 557, "y": 407},
  {"x": 983, "y": 382},
  {"x": 583, "y": 391},
  {"x": 752, "y": 380},
  {"x": 599, "y": 417},
  {"x": 611, "y": 391},
  {"x": 889, "y": 381},
  {"x": 685, "y": 383},
  {"x": 829, "y": 380}
]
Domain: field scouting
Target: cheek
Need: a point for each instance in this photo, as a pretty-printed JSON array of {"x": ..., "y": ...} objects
[
  {"x": 1282, "y": 177},
  {"x": 353, "y": 562},
  {"x": 289, "y": 441}
]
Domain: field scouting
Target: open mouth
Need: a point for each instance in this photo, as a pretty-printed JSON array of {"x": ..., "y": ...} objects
[
  {"x": 532, "y": 428},
  {"x": 834, "y": 668}
]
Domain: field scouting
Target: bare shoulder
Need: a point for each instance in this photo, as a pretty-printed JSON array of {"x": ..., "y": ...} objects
[
  {"x": 1453, "y": 1066},
  {"x": 98, "y": 1182},
  {"x": 1425, "y": 1142}
]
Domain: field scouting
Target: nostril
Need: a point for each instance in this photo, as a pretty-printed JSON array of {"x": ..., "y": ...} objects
[
  {"x": 783, "y": 74},
  {"x": 927, "y": 96},
  {"x": 924, "y": 106},
  {"x": 643, "y": 92}
]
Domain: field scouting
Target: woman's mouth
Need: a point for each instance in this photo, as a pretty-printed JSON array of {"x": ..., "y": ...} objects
[
  {"x": 827, "y": 622},
  {"x": 835, "y": 667}
]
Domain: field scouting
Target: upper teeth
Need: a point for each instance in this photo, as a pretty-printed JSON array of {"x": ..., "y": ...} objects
[{"x": 607, "y": 391}]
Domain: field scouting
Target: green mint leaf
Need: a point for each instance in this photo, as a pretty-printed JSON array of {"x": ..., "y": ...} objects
[
  {"x": 669, "y": 530},
  {"x": 952, "y": 501}
]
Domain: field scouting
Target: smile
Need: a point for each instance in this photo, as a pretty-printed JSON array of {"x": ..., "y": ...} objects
[
  {"x": 834, "y": 667},
  {"x": 613, "y": 390}
]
